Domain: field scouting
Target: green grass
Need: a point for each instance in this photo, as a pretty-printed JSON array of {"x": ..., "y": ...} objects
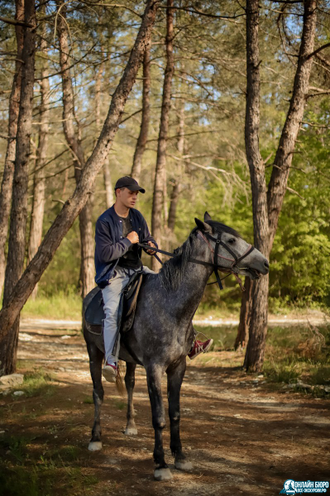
[
  {"x": 223, "y": 337},
  {"x": 59, "y": 306},
  {"x": 293, "y": 354},
  {"x": 298, "y": 355},
  {"x": 38, "y": 383},
  {"x": 24, "y": 471}
]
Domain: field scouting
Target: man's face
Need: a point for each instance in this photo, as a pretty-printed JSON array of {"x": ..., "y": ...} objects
[{"x": 127, "y": 197}]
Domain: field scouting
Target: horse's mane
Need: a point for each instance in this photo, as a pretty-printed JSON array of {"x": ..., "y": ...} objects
[
  {"x": 171, "y": 273},
  {"x": 220, "y": 228}
]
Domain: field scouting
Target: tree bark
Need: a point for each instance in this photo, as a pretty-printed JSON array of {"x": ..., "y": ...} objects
[
  {"x": 259, "y": 307},
  {"x": 8, "y": 171},
  {"x": 75, "y": 204},
  {"x": 145, "y": 119},
  {"x": 109, "y": 196},
  {"x": 267, "y": 205},
  {"x": 38, "y": 202},
  {"x": 160, "y": 176},
  {"x": 284, "y": 155},
  {"x": 18, "y": 216},
  {"x": 73, "y": 139},
  {"x": 242, "y": 337},
  {"x": 176, "y": 190}
]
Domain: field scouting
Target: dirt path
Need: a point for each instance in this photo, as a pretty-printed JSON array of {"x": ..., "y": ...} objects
[{"x": 242, "y": 437}]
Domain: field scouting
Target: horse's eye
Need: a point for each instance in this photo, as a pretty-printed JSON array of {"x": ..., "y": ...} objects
[{"x": 231, "y": 241}]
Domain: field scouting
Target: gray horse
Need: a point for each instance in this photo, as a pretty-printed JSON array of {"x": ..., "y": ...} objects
[{"x": 162, "y": 333}]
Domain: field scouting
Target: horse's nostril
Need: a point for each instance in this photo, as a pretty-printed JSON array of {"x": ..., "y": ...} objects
[{"x": 266, "y": 265}]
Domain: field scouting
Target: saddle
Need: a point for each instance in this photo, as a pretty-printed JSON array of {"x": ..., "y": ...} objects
[{"x": 94, "y": 314}]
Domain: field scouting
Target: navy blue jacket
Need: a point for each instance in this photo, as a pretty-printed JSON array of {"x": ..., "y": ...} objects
[{"x": 110, "y": 243}]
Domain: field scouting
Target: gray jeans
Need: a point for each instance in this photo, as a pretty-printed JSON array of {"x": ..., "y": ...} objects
[{"x": 111, "y": 299}]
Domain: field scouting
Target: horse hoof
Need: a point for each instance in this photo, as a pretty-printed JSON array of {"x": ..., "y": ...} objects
[
  {"x": 131, "y": 431},
  {"x": 163, "y": 474},
  {"x": 95, "y": 446},
  {"x": 183, "y": 465}
]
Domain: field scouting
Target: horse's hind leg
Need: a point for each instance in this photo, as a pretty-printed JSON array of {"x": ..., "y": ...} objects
[
  {"x": 131, "y": 429},
  {"x": 95, "y": 364},
  {"x": 174, "y": 380},
  {"x": 154, "y": 374}
]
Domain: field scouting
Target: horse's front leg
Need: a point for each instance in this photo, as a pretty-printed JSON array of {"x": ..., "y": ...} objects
[
  {"x": 154, "y": 375},
  {"x": 131, "y": 429},
  {"x": 174, "y": 380},
  {"x": 95, "y": 365}
]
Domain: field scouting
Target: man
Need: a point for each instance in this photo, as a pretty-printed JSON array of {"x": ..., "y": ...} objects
[{"x": 117, "y": 257}]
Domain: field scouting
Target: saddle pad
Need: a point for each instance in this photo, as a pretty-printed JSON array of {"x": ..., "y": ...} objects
[{"x": 94, "y": 313}]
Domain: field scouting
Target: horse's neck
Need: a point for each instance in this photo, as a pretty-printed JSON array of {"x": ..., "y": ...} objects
[{"x": 194, "y": 280}]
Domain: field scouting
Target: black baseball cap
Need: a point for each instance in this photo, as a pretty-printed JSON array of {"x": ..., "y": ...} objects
[{"x": 130, "y": 183}]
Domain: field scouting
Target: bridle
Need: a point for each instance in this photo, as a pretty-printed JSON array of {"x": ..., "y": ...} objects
[{"x": 206, "y": 237}]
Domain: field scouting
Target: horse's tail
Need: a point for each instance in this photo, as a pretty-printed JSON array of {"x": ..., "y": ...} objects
[{"x": 120, "y": 383}]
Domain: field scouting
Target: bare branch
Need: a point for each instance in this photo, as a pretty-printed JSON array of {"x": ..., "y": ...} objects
[
  {"x": 327, "y": 45},
  {"x": 294, "y": 192},
  {"x": 214, "y": 16},
  {"x": 14, "y": 22}
]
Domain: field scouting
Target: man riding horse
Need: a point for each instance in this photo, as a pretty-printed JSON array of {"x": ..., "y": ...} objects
[{"x": 117, "y": 257}]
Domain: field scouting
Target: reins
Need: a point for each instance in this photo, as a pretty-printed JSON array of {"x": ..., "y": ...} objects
[{"x": 215, "y": 265}]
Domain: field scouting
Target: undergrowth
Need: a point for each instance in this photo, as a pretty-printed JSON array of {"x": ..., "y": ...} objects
[
  {"x": 26, "y": 471},
  {"x": 58, "y": 306},
  {"x": 296, "y": 355}
]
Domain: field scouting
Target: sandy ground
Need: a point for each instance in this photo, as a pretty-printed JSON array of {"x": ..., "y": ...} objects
[{"x": 241, "y": 436}]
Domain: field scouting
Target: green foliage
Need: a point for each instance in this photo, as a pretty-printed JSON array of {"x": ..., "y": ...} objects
[
  {"x": 62, "y": 305},
  {"x": 38, "y": 383},
  {"x": 300, "y": 270},
  {"x": 296, "y": 354},
  {"x": 24, "y": 472},
  {"x": 223, "y": 337}
]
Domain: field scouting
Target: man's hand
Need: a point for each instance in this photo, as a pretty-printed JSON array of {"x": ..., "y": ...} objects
[
  {"x": 133, "y": 237},
  {"x": 151, "y": 252}
]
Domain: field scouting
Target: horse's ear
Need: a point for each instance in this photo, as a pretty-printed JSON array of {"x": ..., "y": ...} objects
[
  {"x": 203, "y": 226},
  {"x": 207, "y": 217}
]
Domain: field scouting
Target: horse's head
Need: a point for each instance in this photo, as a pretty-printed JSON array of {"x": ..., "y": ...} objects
[{"x": 230, "y": 251}]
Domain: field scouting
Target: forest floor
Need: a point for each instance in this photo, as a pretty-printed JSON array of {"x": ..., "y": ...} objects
[{"x": 243, "y": 435}]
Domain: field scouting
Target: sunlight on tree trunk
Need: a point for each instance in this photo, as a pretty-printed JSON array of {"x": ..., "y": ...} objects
[
  {"x": 18, "y": 216},
  {"x": 145, "y": 118},
  {"x": 72, "y": 136},
  {"x": 157, "y": 220},
  {"x": 38, "y": 201},
  {"x": 267, "y": 205},
  {"x": 8, "y": 171}
]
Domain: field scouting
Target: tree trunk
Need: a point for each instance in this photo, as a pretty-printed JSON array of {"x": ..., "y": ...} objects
[
  {"x": 75, "y": 204},
  {"x": 18, "y": 216},
  {"x": 38, "y": 203},
  {"x": 160, "y": 176},
  {"x": 258, "y": 317},
  {"x": 8, "y": 171},
  {"x": 72, "y": 136},
  {"x": 242, "y": 337},
  {"x": 267, "y": 207},
  {"x": 109, "y": 196},
  {"x": 145, "y": 119},
  {"x": 177, "y": 180},
  {"x": 284, "y": 155}
]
